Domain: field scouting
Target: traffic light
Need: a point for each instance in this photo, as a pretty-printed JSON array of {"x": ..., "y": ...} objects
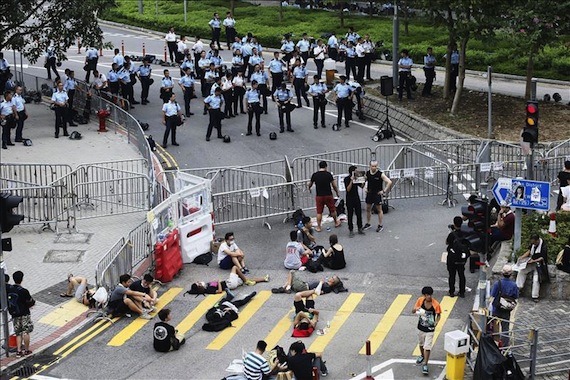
[
  {"x": 7, "y": 217},
  {"x": 477, "y": 214},
  {"x": 530, "y": 131}
]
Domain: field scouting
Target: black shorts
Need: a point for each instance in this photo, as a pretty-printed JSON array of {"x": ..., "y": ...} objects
[
  {"x": 303, "y": 306},
  {"x": 118, "y": 307},
  {"x": 373, "y": 198}
]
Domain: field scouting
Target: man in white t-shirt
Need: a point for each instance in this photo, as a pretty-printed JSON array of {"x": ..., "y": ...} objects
[
  {"x": 229, "y": 254},
  {"x": 296, "y": 255}
]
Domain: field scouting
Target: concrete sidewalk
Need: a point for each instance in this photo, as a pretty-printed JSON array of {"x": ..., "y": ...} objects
[{"x": 46, "y": 257}]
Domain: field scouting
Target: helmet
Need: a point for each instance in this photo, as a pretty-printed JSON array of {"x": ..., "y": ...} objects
[
  {"x": 75, "y": 135},
  {"x": 273, "y": 136},
  {"x": 227, "y": 139}
]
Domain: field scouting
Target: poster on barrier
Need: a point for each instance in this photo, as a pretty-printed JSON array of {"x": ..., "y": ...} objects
[{"x": 428, "y": 173}]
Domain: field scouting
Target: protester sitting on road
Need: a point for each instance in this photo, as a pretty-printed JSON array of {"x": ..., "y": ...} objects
[
  {"x": 81, "y": 293},
  {"x": 302, "y": 362},
  {"x": 333, "y": 258},
  {"x": 306, "y": 316},
  {"x": 305, "y": 233},
  {"x": 295, "y": 284},
  {"x": 123, "y": 299},
  {"x": 166, "y": 337},
  {"x": 144, "y": 286},
  {"x": 236, "y": 279},
  {"x": 297, "y": 254},
  {"x": 229, "y": 254}
]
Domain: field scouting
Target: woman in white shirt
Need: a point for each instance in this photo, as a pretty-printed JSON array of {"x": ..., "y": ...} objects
[{"x": 239, "y": 91}]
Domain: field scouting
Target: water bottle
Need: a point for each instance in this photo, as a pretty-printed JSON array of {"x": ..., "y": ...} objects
[{"x": 328, "y": 324}]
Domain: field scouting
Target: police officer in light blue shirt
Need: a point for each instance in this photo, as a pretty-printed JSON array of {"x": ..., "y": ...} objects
[
  {"x": 429, "y": 71},
  {"x": 405, "y": 72},
  {"x": 283, "y": 98},
  {"x": 216, "y": 26},
  {"x": 299, "y": 82},
  {"x": 260, "y": 76},
  {"x": 252, "y": 99},
  {"x": 318, "y": 91},
  {"x": 69, "y": 86},
  {"x": 186, "y": 83},
  {"x": 275, "y": 68},
  {"x": 144, "y": 73},
  {"x": 113, "y": 79},
  {"x": 214, "y": 105},
  {"x": 118, "y": 59},
  {"x": 237, "y": 44},
  {"x": 343, "y": 93},
  {"x": 454, "y": 68},
  {"x": 20, "y": 104},
  {"x": 125, "y": 83},
  {"x": 59, "y": 99},
  {"x": 50, "y": 62},
  {"x": 303, "y": 46},
  {"x": 91, "y": 59},
  {"x": 171, "y": 114},
  {"x": 166, "y": 86},
  {"x": 287, "y": 47},
  {"x": 350, "y": 63},
  {"x": 255, "y": 59},
  {"x": 8, "y": 117}
]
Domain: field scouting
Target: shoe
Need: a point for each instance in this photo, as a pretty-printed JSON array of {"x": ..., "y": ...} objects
[
  {"x": 535, "y": 300},
  {"x": 220, "y": 136},
  {"x": 361, "y": 231},
  {"x": 10, "y": 144},
  {"x": 128, "y": 315},
  {"x": 451, "y": 294},
  {"x": 248, "y": 134},
  {"x": 19, "y": 354},
  {"x": 299, "y": 106},
  {"x": 278, "y": 290},
  {"x": 379, "y": 228},
  {"x": 323, "y": 126},
  {"x": 425, "y": 369},
  {"x": 366, "y": 226},
  {"x": 308, "y": 104},
  {"x": 266, "y": 278},
  {"x": 259, "y": 134},
  {"x": 315, "y": 126},
  {"x": 5, "y": 147},
  {"x": 27, "y": 352},
  {"x": 175, "y": 144},
  {"x": 324, "y": 374},
  {"x": 66, "y": 134},
  {"x": 18, "y": 140},
  {"x": 244, "y": 270},
  {"x": 420, "y": 359},
  {"x": 462, "y": 295},
  {"x": 145, "y": 315},
  {"x": 243, "y": 112},
  {"x": 207, "y": 139},
  {"x": 135, "y": 102},
  {"x": 75, "y": 125},
  {"x": 282, "y": 130},
  {"x": 250, "y": 282},
  {"x": 351, "y": 234},
  {"x": 229, "y": 295},
  {"x": 347, "y": 126},
  {"x": 187, "y": 115},
  {"x": 205, "y": 113},
  {"x": 164, "y": 146},
  {"x": 144, "y": 102},
  {"x": 191, "y": 113},
  {"x": 302, "y": 268},
  {"x": 290, "y": 130}
]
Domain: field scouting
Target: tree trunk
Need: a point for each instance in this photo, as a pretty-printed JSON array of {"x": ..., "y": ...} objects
[
  {"x": 406, "y": 10},
  {"x": 457, "y": 98},
  {"x": 529, "y": 72},
  {"x": 370, "y": 8},
  {"x": 450, "y": 44},
  {"x": 280, "y": 12},
  {"x": 233, "y": 7},
  {"x": 341, "y": 17}
]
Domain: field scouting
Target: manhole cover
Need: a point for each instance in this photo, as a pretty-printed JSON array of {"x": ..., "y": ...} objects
[
  {"x": 63, "y": 256},
  {"x": 73, "y": 238}
]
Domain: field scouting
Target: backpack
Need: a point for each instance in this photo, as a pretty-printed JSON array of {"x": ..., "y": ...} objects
[
  {"x": 297, "y": 217},
  {"x": 13, "y": 296},
  {"x": 458, "y": 252},
  {"x": 218, "y": 325},
  {"x": 203, "y": 259},
  {"x": 340, "y": 208}
]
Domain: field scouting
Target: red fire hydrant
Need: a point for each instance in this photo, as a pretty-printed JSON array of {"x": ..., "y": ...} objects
[{"x": 102, "y": 114}]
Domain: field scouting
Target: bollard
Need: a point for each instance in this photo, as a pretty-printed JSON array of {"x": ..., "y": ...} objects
[
  {"x": 456, "y": 345},
  {"x": 144, "y": 51},
  {"x": 165, "y": 60},
  {"x": 123, "y": 47},
  {"x": 368, "y": 363}
]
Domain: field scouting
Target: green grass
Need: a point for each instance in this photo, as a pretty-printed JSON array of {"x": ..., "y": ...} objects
[{"x": 553, "y": 62}]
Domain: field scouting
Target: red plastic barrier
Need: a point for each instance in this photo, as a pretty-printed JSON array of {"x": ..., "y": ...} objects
[{"x": 168, "y": 258}]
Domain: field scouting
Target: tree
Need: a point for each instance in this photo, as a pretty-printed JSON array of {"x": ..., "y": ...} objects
[
  {"x": 30, "y": 26},
  {"x": 535, "y": 24}
]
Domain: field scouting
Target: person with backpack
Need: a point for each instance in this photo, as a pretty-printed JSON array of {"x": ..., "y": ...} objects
[
  {"x": 503, "y": 300},
  {"x": 19, "y": 303},
  {"x": 457, "y": 255},
  {"x": 166, "y": 337}
]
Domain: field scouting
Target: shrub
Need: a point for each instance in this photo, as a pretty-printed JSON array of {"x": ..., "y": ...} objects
[{"x": 538, "y": 223}]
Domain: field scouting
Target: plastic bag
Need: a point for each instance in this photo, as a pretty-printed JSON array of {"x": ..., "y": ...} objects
[{"x": 489, "y": 365}]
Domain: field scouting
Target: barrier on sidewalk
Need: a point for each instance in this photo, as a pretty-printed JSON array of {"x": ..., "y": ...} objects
[
  {"x": 23, "y": 175},
  {"x": 467, "y": 177},
  {"x": 116, "y": 262},
  {"x": 39, "y": 205}
]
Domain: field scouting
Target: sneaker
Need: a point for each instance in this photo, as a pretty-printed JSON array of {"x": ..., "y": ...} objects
[
  {"x": 288, "y": 289},
  {"x": 324, "y": 373},
  {"x": 366, "y": 226},
  {"x": 462, "y": 295},
  {"x": 244, "y": 270},
  {"x": 420, "y": 359},
  {"x": 351, "y": 234},
  {"x": 278, "y": 290},
  {"x": 27, "y": 352},
  {"x": 19, "y": 354},
  {"x": 151, "y": 309},
  {"x": 451, "y": 294},
  {"x": 379, "y": 228},
  {"x": 127, "y": 315},
  {"x": 425, "y": 369},
  {"x": 145, "y": 315},
  {"x": 266, "y": 278},
  {"x": 361, "y": 231},
  {"x": 250, "y": 282},
  {"x": 302, "y": 268}
]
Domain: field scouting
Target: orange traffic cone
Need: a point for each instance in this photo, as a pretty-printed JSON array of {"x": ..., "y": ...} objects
[{"x": 552, "y": 226}]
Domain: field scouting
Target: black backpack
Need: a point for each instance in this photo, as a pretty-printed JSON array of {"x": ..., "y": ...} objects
[
  {"x": 297, "y": 217},
  {"x": 13, "y": 294},
  {"x": 203, "y": 259},
  {"x": 457, "y": 252}
]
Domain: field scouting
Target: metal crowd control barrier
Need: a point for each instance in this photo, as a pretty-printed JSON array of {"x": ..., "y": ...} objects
[
  {"x": 39, "y": 205},
  {"x": 22, "y": 175},
  {"x": 116, "y": 262},
  {"x": 467, "y": 177},
  {"x": 451, "y": 151},
  {"x": 303, "y": 167}
]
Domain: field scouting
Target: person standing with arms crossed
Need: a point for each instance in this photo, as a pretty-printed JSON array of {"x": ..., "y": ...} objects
[
  {"x": 377, "y": 185},
  {"x": 171, "y": 112},
  {"x": 318, "y": 91},
  {"x": 405, "y": 73},
  {"x": 216, "y": 26},
  {"x": 170, "y": 40},
  {"x": 283, "y": 98},
  {"x": 253, "y": 98},
  {"x": 353, "y": 201},
  {"x": 324, "y": 181},
  {"x": 429, "y": 312},
  {"x": 59, "y": 99},
  {"x": 214, "y": 105},
  {"x": 429, "y": 71}
]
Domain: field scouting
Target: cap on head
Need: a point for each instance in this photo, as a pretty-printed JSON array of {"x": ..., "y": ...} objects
[{"x": 507, "y": 270}]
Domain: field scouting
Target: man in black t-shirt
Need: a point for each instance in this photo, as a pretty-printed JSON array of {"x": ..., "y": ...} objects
[
  {"x": 302, "y": 362},
  {"x": 166, "y": 338},
  {"x": 144, "y": 286},
  {"x": 19, "y": 303},
  {"x": 377, "y": 185},
  {"x": 323, "y": 181},
  {"x": 563, "y": 180},
  {"x": 353, "y": 201}
]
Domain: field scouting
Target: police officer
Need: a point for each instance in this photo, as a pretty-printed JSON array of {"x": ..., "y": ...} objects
[
  {"x": 287, "y": 47},
  {"x": 352, "y": 36},
  {"x": 186, "y": 83},
  {"x": 318, "y": 91},
  {"x": 8, "y": 118},
  {"x": 230, "y": 25},
  {"x": 170, "y": 39},
  {"x": 261, "y": 78},
  {"x": 204, "y": 65},
  {"x": 166, "y": 86},
  {"x": 237, "y": 62},
  {"x": 113, "y": 81},
  {"x": 275, "y": 68},
  {"x": 171, "y": 113},
  {"x": 254, "y": 60},
  {"x": 91, "y": 59},
  {"x": 228, "y": 94},
  {"x": 319, "y": 54},
  {"x": 283, "y": 98},
  {"x": 238, "y": 83},
  {"x": 343, "y": 93},
  {"x": 429, "y": 71},
  {"x": 252, "y": 98},
  {"x": 303, "y": 47},
  {"x": 59, "y": 99},
  {"x": 214, "y": 105},
  {"x": 332, "y": 44},
  {"x": 118, "y": 59},
  {"x": 350, "y": 63},
  {"x": 360, "y": 60},
  {"x": 187, "y": 63},
  {"x": 358, "y": 93},
  {"x": 454, "y": 68},
  {"x": 50, "y": 62},
  {"x": 144, "y": 73},
  {"x": 132, "y": 69},
  {"x": 20, "y": 105},
  {"x": 246, "y": 52},
  {"x": 125, "y": 83},
  {"x": 405, "y": 71},
  {"x": 69, "y": 86},
  {"x": 368, "y": 55},
  {"x": 210, "y": 77},
  {"x": 300, "y": 81},
  {"x": 216, "y": 26}
]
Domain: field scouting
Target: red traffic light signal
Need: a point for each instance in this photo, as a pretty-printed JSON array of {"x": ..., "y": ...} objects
[
  {"x": 7, "y": 217},
  {"x": 530, "y": 131}
]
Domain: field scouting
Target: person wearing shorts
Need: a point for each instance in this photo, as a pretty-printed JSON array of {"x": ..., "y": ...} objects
[
  {"x": 235, "y": 279},
  {"x": 229, "y": 254},
  {"x": 325, "y": 184},
  {"x": 429, "y": 312},
  {"x": 377, "y": 184},
  {"x": 81, "y": 294},
  {"x": 21, "y": 318}
]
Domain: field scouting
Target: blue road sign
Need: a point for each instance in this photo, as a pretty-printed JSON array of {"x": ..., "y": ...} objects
[{"x": 533, "y": 195}]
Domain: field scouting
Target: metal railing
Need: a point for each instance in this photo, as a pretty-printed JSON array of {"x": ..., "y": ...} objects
[{"x": 23, "y": 175}]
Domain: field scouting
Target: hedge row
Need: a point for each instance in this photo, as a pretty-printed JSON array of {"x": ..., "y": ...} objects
[{"x": 538, "y": 223}]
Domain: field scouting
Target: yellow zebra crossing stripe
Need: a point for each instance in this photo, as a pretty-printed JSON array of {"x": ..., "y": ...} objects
[
  {"x": 63, "y": 314},
  {"x": 284, "y": 325},
  {"x": 338, "y": 320},
  {"x": 446, "y": 305},
  {"x": 127, "y": 333},
  {"x": 386, "y": 323},
  {"x": 190, "y": 320},
  {"x": 248, "y": 311}
]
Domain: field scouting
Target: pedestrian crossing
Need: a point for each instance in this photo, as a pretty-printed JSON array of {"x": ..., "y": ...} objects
[{"x": 272, "y": 322}]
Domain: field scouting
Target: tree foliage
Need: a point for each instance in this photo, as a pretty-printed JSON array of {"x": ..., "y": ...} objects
[{"x": 30, "y": 26}]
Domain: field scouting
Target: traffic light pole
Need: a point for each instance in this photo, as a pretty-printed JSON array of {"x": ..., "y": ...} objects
[{"x": 530, "y": 158}]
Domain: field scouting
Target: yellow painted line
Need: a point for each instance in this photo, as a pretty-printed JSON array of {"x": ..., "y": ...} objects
[
  {"x": 63, "y": 314},
  {"x": 96, "y": 326},
  {"x": 386, "y": 323},
  {"x": 338, "y": 320},
  {"x": 190, "y": 320},
  {"x": 284, "y": 325},
  {"x": 103, "y": 326},
  {"x": 248, "y": 311},
  {"x": 127, "y": 333},
  {"x": 166, "y": 156},
  {"x": 446, "y": 305}
]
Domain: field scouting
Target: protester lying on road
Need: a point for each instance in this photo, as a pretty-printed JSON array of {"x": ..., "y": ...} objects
[{"x": 236, "y": 278}]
